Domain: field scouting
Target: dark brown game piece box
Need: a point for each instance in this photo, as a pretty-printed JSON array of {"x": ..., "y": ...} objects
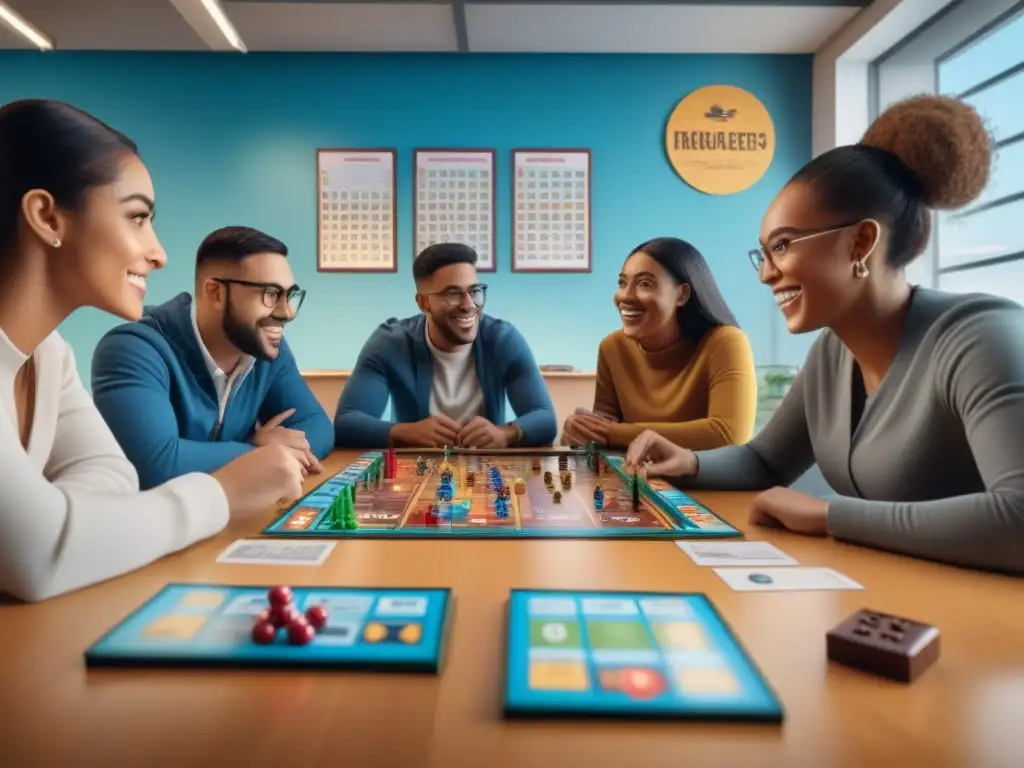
[{"x": 890, "y": 646}]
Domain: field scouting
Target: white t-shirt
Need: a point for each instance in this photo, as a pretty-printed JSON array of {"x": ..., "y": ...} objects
[
  {"x": 71, "y": 513},
  {"x": 455, "y": 391}
]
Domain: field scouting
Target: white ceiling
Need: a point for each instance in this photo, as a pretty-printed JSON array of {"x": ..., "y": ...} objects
[{"x": 535, "y": 26}]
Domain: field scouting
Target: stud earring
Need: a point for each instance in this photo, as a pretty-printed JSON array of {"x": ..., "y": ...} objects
[
  {"x": 860, "y": 269},
  {"x": 56, "y": 242}
]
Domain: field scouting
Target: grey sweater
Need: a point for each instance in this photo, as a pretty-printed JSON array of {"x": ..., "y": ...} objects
[{"x": 934, "y": 466}]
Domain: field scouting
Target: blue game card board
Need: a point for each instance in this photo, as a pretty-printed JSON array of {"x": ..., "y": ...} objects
[
  {"x": 630, "y": 655},
  {"x": 385, "y": 629}
]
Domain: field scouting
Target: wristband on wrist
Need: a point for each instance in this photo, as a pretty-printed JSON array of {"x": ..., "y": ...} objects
[{"x": 519, "y": 433}]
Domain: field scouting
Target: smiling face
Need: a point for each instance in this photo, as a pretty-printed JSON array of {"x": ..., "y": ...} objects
[
  {"x": 109, "y": 245},
  {"x": 811, "y": 259},
  {"x": 452, "y": 299},
  {"x": 648, "y": 299},
  {"x": 249, "y": 323}
]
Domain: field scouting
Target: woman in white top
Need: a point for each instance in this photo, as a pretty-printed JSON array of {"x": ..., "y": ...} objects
[{"x": 76, "y": 213}]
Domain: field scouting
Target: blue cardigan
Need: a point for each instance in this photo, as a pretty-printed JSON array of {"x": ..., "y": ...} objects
[
  {"x": 151, "y": 383},
  {"x": 396, "y": 362}
]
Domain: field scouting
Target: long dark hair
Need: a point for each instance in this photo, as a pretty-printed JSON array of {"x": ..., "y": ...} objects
[{"x": 706, "y": 308}]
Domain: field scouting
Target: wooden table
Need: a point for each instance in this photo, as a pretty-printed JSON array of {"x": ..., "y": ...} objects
[{"x": 967, "y": 711}]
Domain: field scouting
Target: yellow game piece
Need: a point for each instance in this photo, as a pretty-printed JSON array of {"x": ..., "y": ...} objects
[{"x": 410, "y": 634}]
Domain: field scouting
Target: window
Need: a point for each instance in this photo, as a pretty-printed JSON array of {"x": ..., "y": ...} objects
[
  {"x": 977, "y": 54},
  {"x": 982, "y": 248}
]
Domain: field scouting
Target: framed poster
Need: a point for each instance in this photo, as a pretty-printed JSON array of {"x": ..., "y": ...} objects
[
  {"x": 453, "y": 200},
  {"x": 356, "y": 230},
  {"x": 551, "y": 210}
]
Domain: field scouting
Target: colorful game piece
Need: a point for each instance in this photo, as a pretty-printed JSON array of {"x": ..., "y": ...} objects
[
  {"x": 301, "y": 632},
  {"x": 316, "y": 615},
  {"x": 885, "y": 645},
  {"x": 629, "y": 655},
  {"x": 401, "y": 506},
  {"x": 206, "y": 625},
  {"x": 279, "y": 596},
  {"x": 263, "y": 633}
]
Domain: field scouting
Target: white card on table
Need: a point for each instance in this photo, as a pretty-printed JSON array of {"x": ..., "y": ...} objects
[
  {"x": 785, "y": 579},
  {"x": 271, "y": 552},
  {"x": 735, "y": 553}
]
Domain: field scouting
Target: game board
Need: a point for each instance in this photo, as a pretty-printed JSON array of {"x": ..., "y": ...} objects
[
  {"x": 480, "y": 494},
  {"x": 631, "y": 655},
  {"x": 206, "y": 625}
]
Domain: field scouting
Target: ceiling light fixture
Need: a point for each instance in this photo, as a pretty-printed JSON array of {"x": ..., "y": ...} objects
[
  {"x": 224, "y": 24},
  {"x": 23, "y": 28}
]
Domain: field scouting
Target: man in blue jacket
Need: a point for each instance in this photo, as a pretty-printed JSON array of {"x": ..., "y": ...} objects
[
  {"x": 447, "y": 371},
  {"x": 193, "y": 385}
]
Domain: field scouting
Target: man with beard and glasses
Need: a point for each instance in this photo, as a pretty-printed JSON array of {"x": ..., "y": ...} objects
[
  {"x": 447, "y": 371},
  {"x": 193, "y": 385}
]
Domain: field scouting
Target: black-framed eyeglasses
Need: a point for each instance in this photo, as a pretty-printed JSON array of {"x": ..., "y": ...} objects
[
  {"x": 272, "y": 293},
  {"x": 453, "y": 296},
  {"x": 781, "y": 247}
]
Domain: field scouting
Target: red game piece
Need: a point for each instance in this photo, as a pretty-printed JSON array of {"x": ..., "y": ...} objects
[
  {"x": 279, "y": 596},
  {"x": 284, "y": 615},
  {"x": 264, "y": 633},
  {"x": 390, "y": 464},
  {"x": 316, "y": 615},
  {"x": 300, "y": 632}
]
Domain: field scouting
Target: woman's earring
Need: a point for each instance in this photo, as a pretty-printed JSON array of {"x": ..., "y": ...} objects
[
  {"x": 56, "y": 242},
  {"x": 860, "y": 269}
]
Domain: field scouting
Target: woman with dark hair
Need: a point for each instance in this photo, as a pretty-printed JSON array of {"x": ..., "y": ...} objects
[
  {"x": 680, "y": 365},
  {"x": 76, "y": 230},
  {"x": 911, "y": 400}
]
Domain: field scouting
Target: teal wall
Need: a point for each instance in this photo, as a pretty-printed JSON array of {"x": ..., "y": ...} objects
[{"x": 230, "y": 139}]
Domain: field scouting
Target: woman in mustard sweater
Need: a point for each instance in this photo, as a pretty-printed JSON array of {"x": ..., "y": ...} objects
[{"x": 680, "y": 365}]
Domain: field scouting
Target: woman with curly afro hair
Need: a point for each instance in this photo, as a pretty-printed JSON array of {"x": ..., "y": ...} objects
[{"x": 912, "y": 400}]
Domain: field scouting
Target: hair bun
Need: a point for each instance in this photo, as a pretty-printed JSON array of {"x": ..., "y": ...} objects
[{"x": 943, "y": 141}]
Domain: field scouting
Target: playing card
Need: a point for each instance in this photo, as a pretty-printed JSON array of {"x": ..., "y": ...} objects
[
  {"x": 257, "y": 552},
  {"x": 785, "y": 579},
  {"x": 735, "y": 553}
]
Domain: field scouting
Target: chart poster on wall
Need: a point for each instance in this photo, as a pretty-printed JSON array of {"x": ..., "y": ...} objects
[
  {"x": 356, "y": 229},
  {"x": 454, "y": 200},
  {"x": 551, "y": 210},
  {"x": 720, "y": 139}
]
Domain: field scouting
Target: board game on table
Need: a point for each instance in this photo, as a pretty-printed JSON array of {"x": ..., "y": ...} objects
[
  {"x": 555, "y": 493},
  {"x": 630, "y": 655},
  {"x": 215, "y": 625}
]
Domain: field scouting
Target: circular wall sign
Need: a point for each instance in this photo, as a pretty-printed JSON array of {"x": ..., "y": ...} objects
[{"x": 720, "y": 139}]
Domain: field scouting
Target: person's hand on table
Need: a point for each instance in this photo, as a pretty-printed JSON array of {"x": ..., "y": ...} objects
[
  {"x": 478, "y": 432},
  {"x": 795, "y": 511}
]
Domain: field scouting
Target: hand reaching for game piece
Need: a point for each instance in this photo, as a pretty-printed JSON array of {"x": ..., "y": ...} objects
[
  {"x": 432, "y": 432},
  {"x": 652, "y": 454},
  {"x": 478, "y": 432},
  {"x": 259, "y": 479},
  {"x": 295, "y": 439},
  {"x": 785, "y": 508}
]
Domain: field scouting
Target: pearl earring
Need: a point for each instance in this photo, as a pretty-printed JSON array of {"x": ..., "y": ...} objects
[
  {"x": 56, "y": 242},
  {"x": 860, "y": 269}
]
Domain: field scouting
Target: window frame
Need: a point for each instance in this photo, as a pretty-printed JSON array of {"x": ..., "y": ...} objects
[{"x": 917, "y": 58}]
